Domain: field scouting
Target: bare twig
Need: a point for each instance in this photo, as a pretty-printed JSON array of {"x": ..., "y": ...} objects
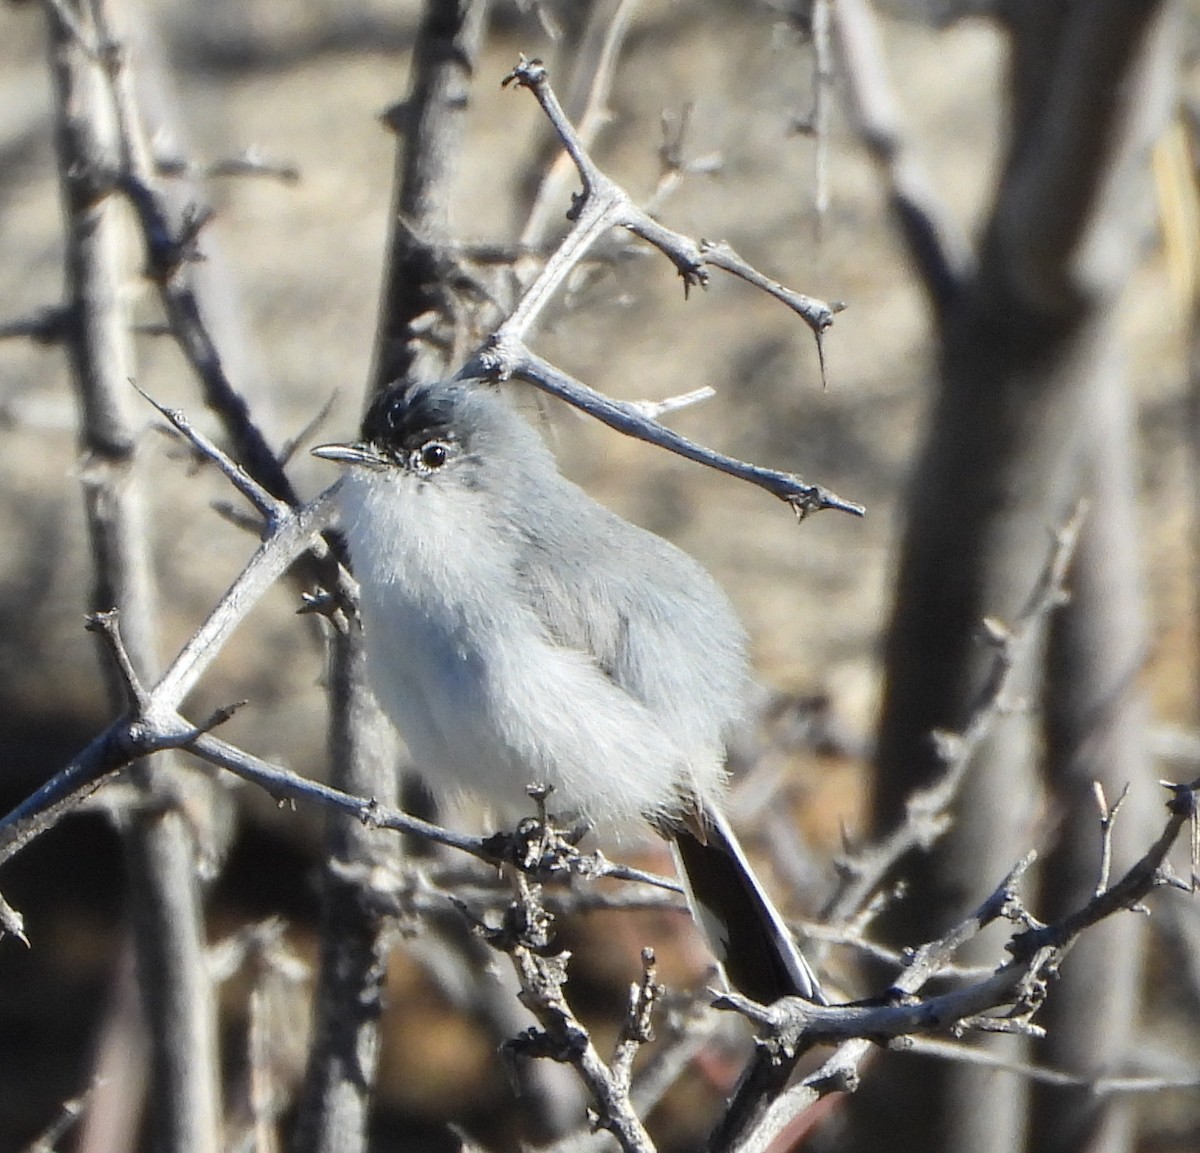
[
  {"x": 1019, "y": 986},
  {"x": 161, "y": 726},
  {"x": 927, "y": 812},
  {"x": 927, "y": 808},
  {"x": 1108, "y": 818},
  {"x": 48, "y": 1140},
  {"x": 251, "y": 162},
  {"x": 526, "y": 938},
  {"x": 604, "y": 205},
  {"x": 507, "y": 357},
  {"x": 823, "y": 88},
  {"x": 1100, "y": 1085},
  {"x": 935, "y": 242},
  {"x": 596, "y": 62},
  {"x": 169, "y": 249},
  {"x": 271, "y": 507},
  {"x": 636, "y": 1029}
]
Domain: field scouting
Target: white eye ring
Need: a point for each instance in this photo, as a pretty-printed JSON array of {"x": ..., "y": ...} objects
[{"x": 430, "y": 456}]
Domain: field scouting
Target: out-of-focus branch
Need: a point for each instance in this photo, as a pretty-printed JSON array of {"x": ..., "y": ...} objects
[
  {"x": 1051, "y": 235},
  {"x": 416, "y": 308},
  {"x": 928, "y": 809},
  {"x": 1024, "y": 346},
  {"x": 161, "y": 852},
  {"x": 169, "y": 249},
  {"x": 935, "y": 242},
  {"x": 430, "y": 124}
]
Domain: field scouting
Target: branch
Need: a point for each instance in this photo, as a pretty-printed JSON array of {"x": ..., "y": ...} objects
[
  {"x": 431, "y": 125},
  {"x": 167, "y": 921},
  {"x": 169, "y": 250},
  {"x": 1018, "y": 987},
  {"x": 604, "y": 205},
  {"x": 935, "y": 242},
  {"x": 159, "y": 725},
  {"x": 508, "y": 357},
  {"x": 608, "y": 26},
  {"x": 526, "y": 936},
  {"x": 928, "y": 809}
]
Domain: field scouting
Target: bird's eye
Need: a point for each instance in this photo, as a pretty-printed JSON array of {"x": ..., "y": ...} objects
[{"x": 432, "y": 455}]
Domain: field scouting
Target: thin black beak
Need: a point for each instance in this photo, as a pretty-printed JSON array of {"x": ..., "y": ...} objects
[{"x": 360, "y": 454}]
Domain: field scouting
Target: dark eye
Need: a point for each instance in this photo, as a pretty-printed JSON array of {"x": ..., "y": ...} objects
[{"x": 432, "y": 455}]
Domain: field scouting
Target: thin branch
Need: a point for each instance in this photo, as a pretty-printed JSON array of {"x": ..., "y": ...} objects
[
  {"x": 1102, "y": 1086},
  {"x": 927, "y": 809},
  {"x": 526, "y": 937},
  {"x": 815, "y": 313},
  {"x": 512, "y": 358},
  {"x": 935, "y": 242},
  {"x": 48, "y": 326},
  {"x": 271, "y": 507},
  {"x": 160, "y": 726},
  {"x": 252, "y": 162},
  {"x": 1108, "y": 818},
  {"x": 1018, "y": 985},
  {"x": 599, "y": 68},
  {"x": 169, "y": 249},
  {"x": 48, "y": 1140},
  {"x": 604, "y": 205},
  {"x": 636, "y": 1029}
]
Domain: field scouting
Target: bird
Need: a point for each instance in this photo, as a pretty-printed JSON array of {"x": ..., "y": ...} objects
[{"x": 520, "y": 633}]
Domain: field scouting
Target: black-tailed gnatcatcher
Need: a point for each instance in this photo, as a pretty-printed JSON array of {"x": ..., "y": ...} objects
[{"x": 519, "y": 633}]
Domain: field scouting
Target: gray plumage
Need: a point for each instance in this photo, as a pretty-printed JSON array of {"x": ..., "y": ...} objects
[{"x": 520, "y": 633}]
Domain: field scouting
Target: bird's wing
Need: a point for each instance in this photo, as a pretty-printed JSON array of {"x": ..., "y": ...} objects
[
  {"x": 578, "y": 598},
  {"x": 647, "y": 615}
]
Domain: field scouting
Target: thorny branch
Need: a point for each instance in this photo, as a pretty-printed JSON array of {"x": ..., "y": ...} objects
[
  {"x": 601, "y": 206},
  {"x": 169, "y": 250},
  {"x": 1018, "y": 986},
  {"x": 526, "y": 935}
]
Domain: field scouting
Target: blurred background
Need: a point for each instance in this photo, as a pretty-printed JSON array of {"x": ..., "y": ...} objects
[{"x": 296, "y": 266}]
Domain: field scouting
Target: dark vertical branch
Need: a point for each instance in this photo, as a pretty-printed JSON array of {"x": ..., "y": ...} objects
[
  {"x": 336, "y": 1098},
  {"x": 431, "y": 125},
  {"x": 935, "y": 243},
  {"x": 170, "y": 253},
  {"x": 341, "y": 1071},
  {"x": 166, "y": 904}
]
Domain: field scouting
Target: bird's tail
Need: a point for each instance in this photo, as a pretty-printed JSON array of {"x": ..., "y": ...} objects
[{"x": 743, "y": 927}]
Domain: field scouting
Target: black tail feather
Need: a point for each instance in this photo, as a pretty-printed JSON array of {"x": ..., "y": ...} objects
[{"x": 744, "y": 929}]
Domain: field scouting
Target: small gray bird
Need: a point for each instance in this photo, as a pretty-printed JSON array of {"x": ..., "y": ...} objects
[{"x": 519, "y": 633}]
